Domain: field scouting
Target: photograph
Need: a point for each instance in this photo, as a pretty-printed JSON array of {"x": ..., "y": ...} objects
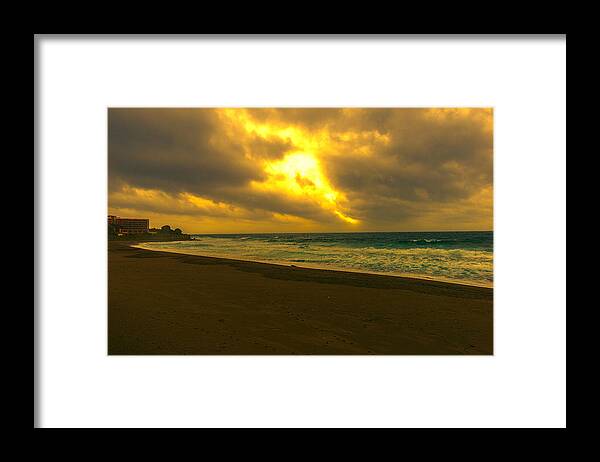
[{"x": 300, "y": 231}]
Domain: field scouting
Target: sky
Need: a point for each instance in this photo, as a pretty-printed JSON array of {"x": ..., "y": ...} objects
[{"x": 236, "y": 170}]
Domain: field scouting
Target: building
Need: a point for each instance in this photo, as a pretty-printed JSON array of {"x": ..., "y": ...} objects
[{"x": 129, "y": 225}]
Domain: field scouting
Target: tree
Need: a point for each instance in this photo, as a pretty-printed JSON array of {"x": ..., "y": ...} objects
[
  {"x": 177, "y": 231},
  {"x": 166, "y": 229}
]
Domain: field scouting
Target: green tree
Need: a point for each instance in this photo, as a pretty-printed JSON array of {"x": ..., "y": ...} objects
[{"x": 112, "y": 231}]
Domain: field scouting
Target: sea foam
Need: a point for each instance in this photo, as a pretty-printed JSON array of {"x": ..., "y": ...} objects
[{"x": 463, "y": 257}]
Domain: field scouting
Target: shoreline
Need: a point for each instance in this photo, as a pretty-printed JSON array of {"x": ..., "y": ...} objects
[
  {"x": 164, "y": 303},
  {"x": 303, "y": 265}
]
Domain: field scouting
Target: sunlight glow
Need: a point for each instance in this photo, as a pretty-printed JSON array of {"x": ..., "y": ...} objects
[{"x": 300, "y": 174}]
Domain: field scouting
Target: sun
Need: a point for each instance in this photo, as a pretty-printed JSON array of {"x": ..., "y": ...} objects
[{"x": 300, "y": 174}]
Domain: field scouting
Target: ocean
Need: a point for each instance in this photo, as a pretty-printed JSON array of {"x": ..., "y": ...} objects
[{"x": 462, "y": 257}]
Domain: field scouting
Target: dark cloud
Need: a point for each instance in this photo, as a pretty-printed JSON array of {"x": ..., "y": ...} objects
[
  {"x": 174, "y": 150},
  {"x": 428, "y": 158},
  {"x": 389, "y": 165}
]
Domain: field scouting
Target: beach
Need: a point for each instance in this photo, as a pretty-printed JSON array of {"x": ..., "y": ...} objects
[{"x": 162, "y": 303}]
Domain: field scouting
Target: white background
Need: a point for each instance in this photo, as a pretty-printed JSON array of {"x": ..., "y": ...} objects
[{"x": 523, "y": 384}]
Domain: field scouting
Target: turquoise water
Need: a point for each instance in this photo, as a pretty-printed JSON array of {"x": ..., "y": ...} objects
[{"x": 465, "y": 257}]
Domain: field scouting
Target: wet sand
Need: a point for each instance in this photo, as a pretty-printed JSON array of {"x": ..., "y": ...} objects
[{"x": 163, "y": 303}]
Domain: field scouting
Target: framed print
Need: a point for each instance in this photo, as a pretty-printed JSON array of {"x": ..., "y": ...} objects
[{"x": 299, "y": 231}]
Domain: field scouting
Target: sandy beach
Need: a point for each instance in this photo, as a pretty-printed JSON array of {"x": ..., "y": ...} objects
[{"x": 172, "y": 304}]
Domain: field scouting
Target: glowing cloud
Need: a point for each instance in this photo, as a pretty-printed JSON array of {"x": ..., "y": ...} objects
[
  {"x": 300, "y": 174},
  {"x": 303, "y": 169}
]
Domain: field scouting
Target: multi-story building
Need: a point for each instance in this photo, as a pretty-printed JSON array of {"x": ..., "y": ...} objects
[{"x": 129, "y": 225}]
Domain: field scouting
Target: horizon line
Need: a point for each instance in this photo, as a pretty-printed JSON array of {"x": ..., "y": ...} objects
[{"x": 353, "y": 232}]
